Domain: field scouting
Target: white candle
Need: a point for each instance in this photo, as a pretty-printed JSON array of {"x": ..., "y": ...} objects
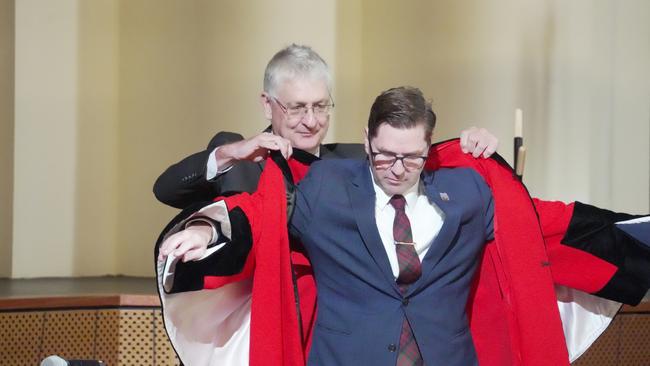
[{"x": 519, "y": 123}]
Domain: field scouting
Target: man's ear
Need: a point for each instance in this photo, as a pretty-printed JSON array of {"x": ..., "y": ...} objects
[
  {"x": 365, "y": 141},
  {"x": 265, "y": 100}
]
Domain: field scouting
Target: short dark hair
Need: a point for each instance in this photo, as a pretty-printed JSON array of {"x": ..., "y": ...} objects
[{"x": 402, "y": 107}]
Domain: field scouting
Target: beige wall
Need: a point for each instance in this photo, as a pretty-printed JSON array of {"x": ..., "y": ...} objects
[
  {"x": 45, "y": 129},
  {"x": 578, "y": 69},
  {"x": 598, "y": 107},
  {"x": 6, "y": 132},
  {"x": 352, "y": 106},
  {"x": 65, "y": 141},
  {"x": 161, "y": 117},
  {"x": 108, "y": 93},
  {"x": 97, "y": 173},
  {"x": 629, "y": 181}
]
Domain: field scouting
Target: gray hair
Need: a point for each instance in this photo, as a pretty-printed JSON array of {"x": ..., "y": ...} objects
[{"x": 295, "y": 61}]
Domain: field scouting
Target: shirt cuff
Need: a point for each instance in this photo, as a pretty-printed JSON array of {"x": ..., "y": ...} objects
[
  {"x": 212, "y": 169},
  {"x": 205, "y": 220}
]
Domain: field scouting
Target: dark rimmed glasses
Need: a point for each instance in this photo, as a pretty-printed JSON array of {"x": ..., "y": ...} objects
[
  {"x": 385, "y": 160},
  {"x": 298, "y": 112}
]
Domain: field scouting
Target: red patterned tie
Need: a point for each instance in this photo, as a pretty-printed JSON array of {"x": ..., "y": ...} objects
[{"x": 409, "y": 271}]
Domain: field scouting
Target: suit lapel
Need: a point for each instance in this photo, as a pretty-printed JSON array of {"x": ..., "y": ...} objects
[
  {"x": 362, "y": 200},
  {"x": 443, "y": 241}
]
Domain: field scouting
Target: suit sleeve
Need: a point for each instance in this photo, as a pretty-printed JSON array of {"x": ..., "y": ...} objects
[
  {"x": 306, "y": 197},
  {"x": 589, "y": 253},
  {"x": 488, "y": 212},
  {"x": 185, "y": 182}
]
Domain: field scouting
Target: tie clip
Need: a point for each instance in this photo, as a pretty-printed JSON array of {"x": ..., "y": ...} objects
[{"x": 404, "y": 243}]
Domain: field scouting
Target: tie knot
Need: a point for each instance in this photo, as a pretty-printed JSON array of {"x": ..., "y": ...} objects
[{"x": 398, "y": 202}]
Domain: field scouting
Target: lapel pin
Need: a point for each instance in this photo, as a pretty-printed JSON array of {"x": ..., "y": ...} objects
[{"x": 444, "y": 196}]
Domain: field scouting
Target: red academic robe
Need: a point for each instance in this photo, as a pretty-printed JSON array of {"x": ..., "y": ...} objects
[{"x": 513, "y": 309}]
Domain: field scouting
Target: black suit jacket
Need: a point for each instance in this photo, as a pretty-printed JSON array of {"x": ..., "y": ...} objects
[{"x": 185, "y": 182}]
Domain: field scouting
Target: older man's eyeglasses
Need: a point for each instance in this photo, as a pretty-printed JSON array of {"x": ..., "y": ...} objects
[
  {"x": 385, "y": 160},
  {"x": 297, "y": 112}
]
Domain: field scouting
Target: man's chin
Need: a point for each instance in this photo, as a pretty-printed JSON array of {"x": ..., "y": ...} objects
[{"x": 392, "y": 188}]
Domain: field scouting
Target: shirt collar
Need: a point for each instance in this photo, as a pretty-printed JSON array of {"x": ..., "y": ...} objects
[{"x": 382, "y": 199}]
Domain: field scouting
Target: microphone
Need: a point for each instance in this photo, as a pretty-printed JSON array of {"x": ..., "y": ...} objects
[{"x": 58, "y": 361}]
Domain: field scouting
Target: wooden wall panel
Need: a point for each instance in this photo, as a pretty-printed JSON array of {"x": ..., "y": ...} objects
[
  {"x": 635, "y": 340},
  {"x": 163, "y": 352},
  {"x": 119, "y": 337},
  {"x": 108, "y": 323},
  {"x": 136, "y": 336},
  {"x": 21, "y": 338},
  {"x": 69, "y": 334},
  {"x": 135, "y": 345}
]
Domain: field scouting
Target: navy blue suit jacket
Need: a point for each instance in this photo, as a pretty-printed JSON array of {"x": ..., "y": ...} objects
[{"x": 360, "y": 308}]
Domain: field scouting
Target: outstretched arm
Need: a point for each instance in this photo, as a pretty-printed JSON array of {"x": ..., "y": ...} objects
[{"x": 202, "y": 175}]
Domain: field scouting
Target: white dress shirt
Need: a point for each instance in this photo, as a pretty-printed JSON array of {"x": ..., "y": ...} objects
[
  {"x": 212, "y": 169},
  {"x": 425, "y": 217}
]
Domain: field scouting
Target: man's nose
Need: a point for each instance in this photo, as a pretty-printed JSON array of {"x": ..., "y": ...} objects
[
  {"x": 309, "y": 118},
  {"x": 398, "y": 167}
]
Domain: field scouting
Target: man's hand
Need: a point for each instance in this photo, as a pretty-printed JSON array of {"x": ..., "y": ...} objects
[
  {"x": 254, "y": 149},
  {"x": 190, "y": 243},
  {"x": 478, "y": 141}
]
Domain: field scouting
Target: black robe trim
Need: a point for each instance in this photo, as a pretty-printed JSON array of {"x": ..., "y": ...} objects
[
  {"x": 229, "y": 261},
  {"x": 623, "y": 288},
  {"x": 231, "y": 258},
  {"x": 593, "y": 230}
]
